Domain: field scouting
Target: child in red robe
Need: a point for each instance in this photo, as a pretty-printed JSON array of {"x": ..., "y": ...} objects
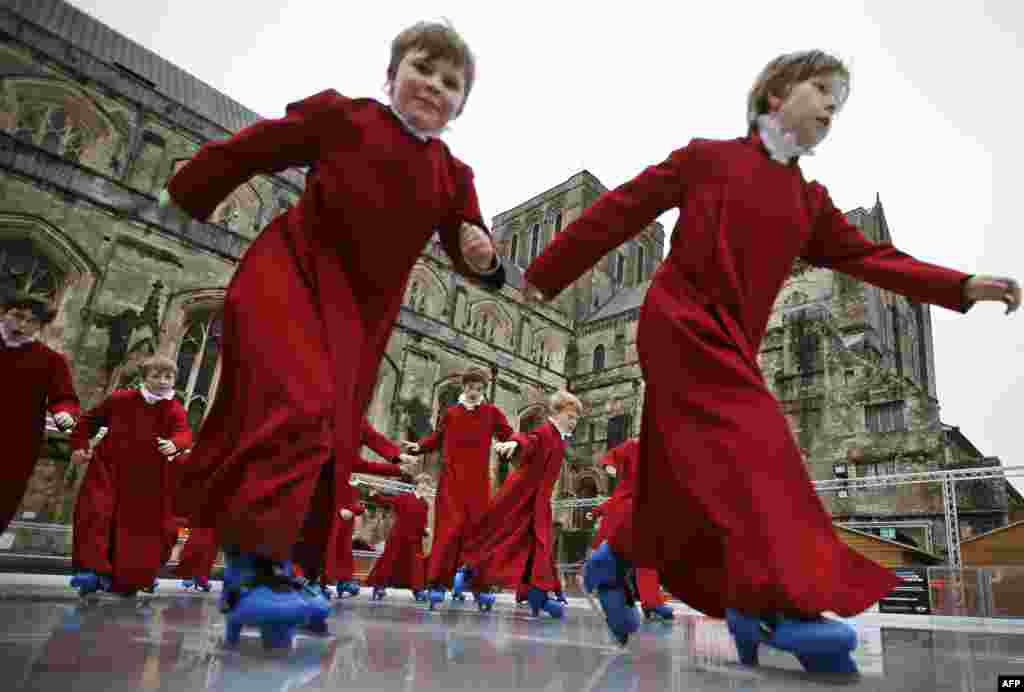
[
  {"x": 512, "y": 543},
  {"x": 716, "y": 451},
  {"x": 36, "y": 379},
  {"x": 401, "y": 564},
  {"x": 621, "y": 462},
  {"x": 197, "y": 559},
  {"x": 124, "y": 523},
  {"x": 311, "y": 305},
  {"x": 464, "y": 488}
]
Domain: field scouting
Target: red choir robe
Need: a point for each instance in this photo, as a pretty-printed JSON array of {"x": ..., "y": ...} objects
[
  {"x": 124, "y": 523},
  {"x": 401, "y": 563},
  {"x": 512, "y": 543},
  {"x": 309, "y": 310},
  {"x": 725, "y": 508},
  {"x": 198, "y": 555},
  {"x": 36, "y": 378},
  {"x": 344, "y": 563},
  {"x": 464, "y": 487},
  {"x": 619, "y": 507}
]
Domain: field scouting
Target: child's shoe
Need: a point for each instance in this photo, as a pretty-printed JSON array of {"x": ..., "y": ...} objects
[
  {"x": 606, "y": 573},
  {"x": 261, "y": 592},
  {"x": 560, "y": 597},
  {"x": 420, "y": 596},
  {"x": 349, "y": 588},
  {"x": 379, "y": 592},
  {"x": 662, "y": 612},
  {"x": 539, "y": 600},
  {"x": 821, "y": 645},
  {"x": 436, "y": 596},
  {"x": 463, "y": 578},
  {"x": 88, "y": 582},
  {"x": 484, "y": 600}
]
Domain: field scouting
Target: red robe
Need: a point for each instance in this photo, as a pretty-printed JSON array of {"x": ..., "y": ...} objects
[
  {"x": 464, "y": 487},
  {"x": 311, "y": 305},
  {"x": 124, "y": 523},
  {"x": 344, "y": 566},
  {"x": 512, "y": 543},
  {"x": 725, "y": 508},
  {"x": 619, "y": 507},
  {"x": 198, "y": 555},
  {"x": 401, "y": 563},
  {"x": 36, "y": 378}
]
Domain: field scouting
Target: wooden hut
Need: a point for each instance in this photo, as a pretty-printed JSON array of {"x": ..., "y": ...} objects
[{"x": 886, "y": 552}]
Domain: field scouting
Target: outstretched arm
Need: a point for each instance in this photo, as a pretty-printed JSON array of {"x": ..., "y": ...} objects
[
  {"x": 379, "y": 443},
  {"x": 616, "y": 217},
  {"x": 465, "y": 238},
  {"x": 61, "y": 397}
]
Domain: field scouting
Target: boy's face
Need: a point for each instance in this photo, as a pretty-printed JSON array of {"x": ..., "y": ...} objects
[
  {"x": 474, "y": 391},
  {"x": 809, "y": 107},
  {"x": 159, "y": 381},
  {"x": 567, "y": 418},
  {"x": 21, "y": 323},
  {"x": 428, "y": 92}
]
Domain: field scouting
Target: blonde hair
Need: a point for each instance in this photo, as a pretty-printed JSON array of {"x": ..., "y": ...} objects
[
  {"x": 562, "y": 400},
  {"x": 783, "y": 72},
  {"x": 439, "y": 40},
  {"x": 158, "y": 364}
]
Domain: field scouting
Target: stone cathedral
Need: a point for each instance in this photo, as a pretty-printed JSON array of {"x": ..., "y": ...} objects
[{"x": 92, "y": 126}]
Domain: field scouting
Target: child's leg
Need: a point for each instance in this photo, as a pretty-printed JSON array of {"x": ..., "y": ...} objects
[{"x": 92, "y": 528}]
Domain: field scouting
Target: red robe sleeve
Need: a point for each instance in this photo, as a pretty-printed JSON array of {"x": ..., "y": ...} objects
[
  {"x": 376, "y": 468},
  {"x": 386, "y": 500},
  {"x": 60, "y": 395},
  {"x": 434, "y": 440},
  {"x": 357, "y": 508},
  {"x": 265, "y": 147},
  {"x": 613, "y": 219},
  {"x": 179, "y": 431},
  {"x": 468, "y": 210},
  {"x": 502, "y": 430},
  {"x": 837, "y": 244},
  {"x": 89, "y": 425},
  {"x": 379, "y": 443},
  {"x": 528, "y": 444}
]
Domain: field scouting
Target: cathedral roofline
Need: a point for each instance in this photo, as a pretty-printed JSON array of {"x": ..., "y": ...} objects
[{"x": 575, "y": 180}]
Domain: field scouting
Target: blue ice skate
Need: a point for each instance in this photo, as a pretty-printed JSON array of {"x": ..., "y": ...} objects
[
  {"x": 379, "y": 592},
  {"x": 484, "y": 600},
  {"x": 326, "y": 592},
  {"x": 261, "y": 592},
  {"x": 317, "y": 607},
  {"x": 435, "y": 596},
  {"x": 463, "y": 578},
  {"x": 606, "y": 573},
  {"x": 347, "y": 589},
  {"x": 196, "y": 584},
  {"x": 663, "y": 612},
  {"x": 88, "y": 582},
  {"x": 539, "y": 600},
  {"x": 821, "y": 645},
  {"x": 420, "y": 596},
  {"x": 560, "y": 597}
]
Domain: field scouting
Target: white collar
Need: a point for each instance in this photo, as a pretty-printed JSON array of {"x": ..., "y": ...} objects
[
  {"x": 422, "y": 135},
  {"x": 469, "y": 406},
  {"x": 565, "y": 435},
  {"x": 781, "y": 144},
  {"x": 12, "y": 342},
  {"x": 152, "y": 398}
]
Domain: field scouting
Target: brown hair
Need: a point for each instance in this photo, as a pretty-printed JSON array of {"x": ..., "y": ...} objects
[
  {"x": 783, "y": 72},
  {"x": 40, "y": 307},
  {"x": 475, "y": 374},
  {"x": 439, "y": 41},
  {"x": 158, "y": 364}
]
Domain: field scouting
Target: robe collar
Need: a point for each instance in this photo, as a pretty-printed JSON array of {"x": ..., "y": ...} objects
[
  {"x": 422, "y": 135},
  {"x": 565, "y": 435},
  {"x": 780, "y": 144},
  {"x": 468, "y": 406},
  {"x": 11, "y": 342},
  {"x": 152, "y": 398}
]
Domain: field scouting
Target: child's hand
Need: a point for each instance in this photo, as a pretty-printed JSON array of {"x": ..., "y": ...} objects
[
  {"x": 346, "y": 514},
  {"x": 166, "y": 447},
  {"x": 64, "y": 420},
  {"x": 410, "y": 446},
  {"x": 610, "y": 470},
  {"x": 506, "y": 449},
  {"x": 81, "y": 456},
  {"x": 477, "y": 249},
  {"x": 407, "y": 459},
  {"x": 1001, "y": 288},
  {"x": 532, "y": 294}
]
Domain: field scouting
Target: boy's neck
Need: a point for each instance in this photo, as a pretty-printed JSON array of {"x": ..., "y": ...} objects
[
  {"x": 780, "y": 143},
  {"x": 420, "y": 134}
]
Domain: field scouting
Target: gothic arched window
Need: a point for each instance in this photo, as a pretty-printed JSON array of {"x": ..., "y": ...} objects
[
  {"x": 535, "y": 241},
  {"x": 620, "y": 268},
  {"x": 23, "y": 268},
  {"x": 48, "y": 126},
  {"x": 641, "y": 262},
  {"x": 513, "y": 251},
  {"x": 199, "y": 364},
  {"x": 599, "y": 358}
]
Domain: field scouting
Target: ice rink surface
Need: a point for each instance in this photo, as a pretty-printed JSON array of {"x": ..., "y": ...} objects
[{"x": 173, "y": 640}]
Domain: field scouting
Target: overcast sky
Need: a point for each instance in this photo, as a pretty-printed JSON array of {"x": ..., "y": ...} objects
[{"x": 932, "y": 124}]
